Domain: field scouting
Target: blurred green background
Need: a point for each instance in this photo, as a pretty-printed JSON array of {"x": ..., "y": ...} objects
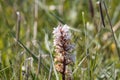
[{"x": 96, "y": 57}]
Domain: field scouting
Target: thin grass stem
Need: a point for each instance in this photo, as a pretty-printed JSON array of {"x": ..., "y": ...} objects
[{"x": 118, "y": 50}]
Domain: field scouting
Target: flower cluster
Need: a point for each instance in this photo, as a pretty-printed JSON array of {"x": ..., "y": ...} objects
[{"x": 63, "y": 47}]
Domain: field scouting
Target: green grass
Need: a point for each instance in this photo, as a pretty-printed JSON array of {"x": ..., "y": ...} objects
[{"x": 96, "y": 56}]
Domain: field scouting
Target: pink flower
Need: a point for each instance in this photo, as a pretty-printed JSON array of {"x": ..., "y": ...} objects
[
  {"x": 62, "y": 38},
  {"x": 63, "y": 47}
]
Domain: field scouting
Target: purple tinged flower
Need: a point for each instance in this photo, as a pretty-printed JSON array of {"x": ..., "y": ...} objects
[
  {"x": 63, "y": 47},
  {"x": 62, "y": 38}
]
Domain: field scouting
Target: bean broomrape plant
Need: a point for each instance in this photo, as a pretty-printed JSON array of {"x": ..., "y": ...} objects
[{"x": 63, "y": 48}]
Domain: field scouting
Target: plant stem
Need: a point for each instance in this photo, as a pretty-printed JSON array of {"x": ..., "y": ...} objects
[
  {"x": 101, "y": 14},
  {"x": 35, "y": 21},
  {"x": 64, "y": 69},
  {"x": 118, "y": 51},
  {"x": 18, "y": 25}
]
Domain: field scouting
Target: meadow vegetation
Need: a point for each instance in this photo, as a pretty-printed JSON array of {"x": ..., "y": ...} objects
[{"x": 27, "y": 51}]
